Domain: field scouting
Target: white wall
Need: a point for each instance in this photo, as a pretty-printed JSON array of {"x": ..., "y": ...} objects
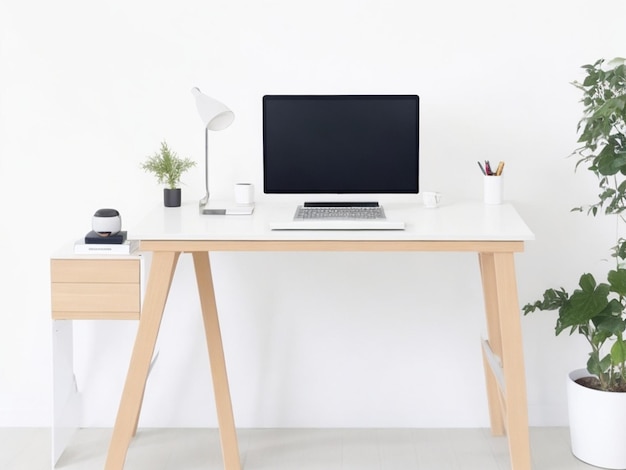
[{"x": 87, "y": 90}]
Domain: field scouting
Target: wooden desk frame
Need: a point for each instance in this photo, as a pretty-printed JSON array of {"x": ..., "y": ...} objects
[{"x": 502, "y": 351}]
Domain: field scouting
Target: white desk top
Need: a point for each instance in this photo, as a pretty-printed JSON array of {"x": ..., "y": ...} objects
[{"x": 456, "y": 222}]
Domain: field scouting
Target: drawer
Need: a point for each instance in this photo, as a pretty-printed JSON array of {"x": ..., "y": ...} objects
[
  {"x": 95, "y": 270},
  {"x": 95, "y": 289}
]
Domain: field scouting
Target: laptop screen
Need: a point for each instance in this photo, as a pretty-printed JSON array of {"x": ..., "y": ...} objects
[{"x": 340, "y": 144}]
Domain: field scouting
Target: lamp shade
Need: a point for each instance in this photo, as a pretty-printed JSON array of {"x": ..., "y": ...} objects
[{"x": 215, "y": 115}]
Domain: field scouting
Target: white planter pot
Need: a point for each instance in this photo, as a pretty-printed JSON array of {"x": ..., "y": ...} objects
[{"x": 597, "y": 423}]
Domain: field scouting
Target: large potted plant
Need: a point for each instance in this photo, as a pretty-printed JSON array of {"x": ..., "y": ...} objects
[
  {"x": 596, "y": 310},
  {"x": 168, "y": 168}
]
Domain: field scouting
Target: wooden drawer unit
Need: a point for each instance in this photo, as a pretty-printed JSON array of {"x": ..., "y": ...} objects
[{"x": 95, "y": 288}]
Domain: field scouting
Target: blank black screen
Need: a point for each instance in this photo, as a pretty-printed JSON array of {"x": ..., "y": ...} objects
[{"x": 340, "y": 144}]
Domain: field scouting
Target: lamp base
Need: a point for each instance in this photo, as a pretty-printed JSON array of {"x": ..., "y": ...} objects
[{"x": 225, "y": 208}]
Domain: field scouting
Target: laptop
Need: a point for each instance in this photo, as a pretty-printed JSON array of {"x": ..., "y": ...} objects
[{"x": 340, "y": 146}]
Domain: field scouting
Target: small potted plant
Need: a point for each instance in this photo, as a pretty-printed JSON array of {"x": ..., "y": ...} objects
[
  {"x": 168, "y": 168},
  {"x": 596, "y": 310}
]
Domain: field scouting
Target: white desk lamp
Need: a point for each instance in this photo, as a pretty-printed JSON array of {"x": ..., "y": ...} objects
[{"x": 216, "y": 117}]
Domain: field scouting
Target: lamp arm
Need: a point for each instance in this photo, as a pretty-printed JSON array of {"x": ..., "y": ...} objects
[{"x": 205, "y": 199}]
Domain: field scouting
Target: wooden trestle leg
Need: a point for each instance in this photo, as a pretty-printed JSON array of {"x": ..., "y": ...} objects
[
  {"x": 228, "y": 433},
  {"x": 159, "y": 282},
  {"x": 508, "y": 406}
]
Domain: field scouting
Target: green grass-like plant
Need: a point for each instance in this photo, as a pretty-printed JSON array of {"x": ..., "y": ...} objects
[{"x": 167, "y": 166}]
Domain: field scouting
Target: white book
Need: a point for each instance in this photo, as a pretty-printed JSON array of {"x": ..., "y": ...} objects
[{"x": 126, "y": 248}]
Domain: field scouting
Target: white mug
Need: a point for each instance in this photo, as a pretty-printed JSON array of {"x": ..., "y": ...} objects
[
  {"x": 244, "y": 193},
  {"x": 431, "y": 199}
]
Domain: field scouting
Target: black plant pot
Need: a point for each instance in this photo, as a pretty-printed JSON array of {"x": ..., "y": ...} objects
[{"x": 171, "y": 197}]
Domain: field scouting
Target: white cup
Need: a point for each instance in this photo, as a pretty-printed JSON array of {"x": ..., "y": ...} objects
[
  {"x": 493, "y": 188},
  {"x": 431, "y": 199},
  {"x": 244, "y": 193}
]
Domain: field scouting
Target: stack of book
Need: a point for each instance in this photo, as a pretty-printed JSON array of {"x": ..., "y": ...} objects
[{"x": 95, "y": 244}]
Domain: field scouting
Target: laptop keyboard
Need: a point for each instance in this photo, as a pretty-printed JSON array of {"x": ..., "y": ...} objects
[
  {"x": 339, "y": 217},
  {"x": 339, "y": 213}
]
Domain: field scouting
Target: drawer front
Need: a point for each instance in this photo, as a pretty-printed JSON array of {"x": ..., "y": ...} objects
[
  {"x": 95, "y": 289},
  {"x": 95, "y": 270},
  {"x": 70, "y": 300}
]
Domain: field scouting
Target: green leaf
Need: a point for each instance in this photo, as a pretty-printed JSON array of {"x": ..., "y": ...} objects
[
  {"x": 610, "y": 163},
  {"x": 617, "y": 281},
  {"x": 593, "y": 364},
  {"x": 622, "y": 186},
  {"x": 597, "y": 366},
  {"x": 615, "y": 307},
  {"x": 584, "y": 304},
  {"x": 599, "y": 337},
  {"x": 587, "y": 282},
  {"x": 589, "y": 80},
  {"x": 553, "y": 299},
  {"x": 613, "y": 325},
  {"x": 620, "y": 249},
  {"x": 618, "y": 352}
]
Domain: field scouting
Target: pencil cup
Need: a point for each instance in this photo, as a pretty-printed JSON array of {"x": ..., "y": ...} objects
[{"x": 493, "y": 186}]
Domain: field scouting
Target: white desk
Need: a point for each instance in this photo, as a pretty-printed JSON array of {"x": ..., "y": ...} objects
[{"x": 494, "y": 232}]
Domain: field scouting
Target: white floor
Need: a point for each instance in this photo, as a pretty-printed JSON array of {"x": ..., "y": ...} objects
[{"x": 292, "y": 449}]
